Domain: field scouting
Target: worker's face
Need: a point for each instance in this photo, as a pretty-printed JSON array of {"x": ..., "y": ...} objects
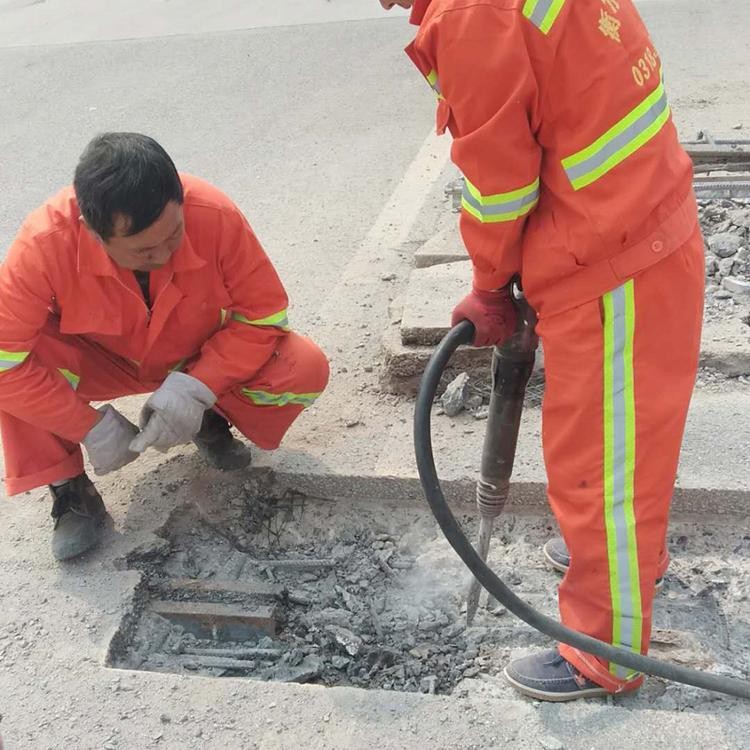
[
  {"x": 151, "y": 248},
  {"x": 388, "y": 4}
]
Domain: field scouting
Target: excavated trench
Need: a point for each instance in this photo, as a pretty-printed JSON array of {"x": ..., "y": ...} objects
[{"x": 274, "y": 586}]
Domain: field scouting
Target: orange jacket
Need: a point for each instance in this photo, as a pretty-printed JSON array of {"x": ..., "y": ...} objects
[
  {"x": 574, "y": 174},
  {"x": 218, "y": 306}
]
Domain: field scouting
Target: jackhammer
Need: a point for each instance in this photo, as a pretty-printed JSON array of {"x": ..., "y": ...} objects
[{"x": 512, "y": 367}]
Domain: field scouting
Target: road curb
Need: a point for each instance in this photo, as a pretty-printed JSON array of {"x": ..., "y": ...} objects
[{"x": 525, "y": 497}]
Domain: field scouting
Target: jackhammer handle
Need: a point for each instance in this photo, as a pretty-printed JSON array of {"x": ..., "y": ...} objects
[{"x": 512, "y": 365}]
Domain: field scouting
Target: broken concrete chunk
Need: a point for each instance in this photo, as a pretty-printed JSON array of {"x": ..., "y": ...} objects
[
  {"x": 736, "y": 286},
  {"x": 444, "y": 247},
  {"x": 724, "y": 244},
  {"x": 725, "y": 266},
  {"x": 473, "y": 402},
  {"x": 454, "y": 398},
  {"x": 740, "y": 217},
  {"x": 712, "y": 265},
  {"x": 310, "y": 668},
  {"x": 329, "y": 616},
  {"x": 350, "y": 642},
  {"x": 551, "y": 743},
  {"x": 428, "y": 684}
]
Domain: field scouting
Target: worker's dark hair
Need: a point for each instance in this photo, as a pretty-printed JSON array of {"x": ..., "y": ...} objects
[{"x": 128, "y": 174}]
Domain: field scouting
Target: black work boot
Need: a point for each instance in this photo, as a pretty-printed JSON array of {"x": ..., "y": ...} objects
[
  {"x": 557, "y": 556},
  {"x": 217, "y": 445},
  {"x": 79, "y": 514},
  {"x": 547, "y": 676}
]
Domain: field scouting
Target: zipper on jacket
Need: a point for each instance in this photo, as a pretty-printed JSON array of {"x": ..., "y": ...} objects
[{"x": 138, "y": 296}]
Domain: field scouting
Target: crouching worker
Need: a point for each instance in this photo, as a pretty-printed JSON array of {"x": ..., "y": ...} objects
[{"x": 138, "y": 279}]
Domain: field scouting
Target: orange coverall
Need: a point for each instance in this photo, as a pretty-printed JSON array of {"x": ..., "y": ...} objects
[
  {"x": 575, "y": 178},
  {"x": 74, "y": 328}
]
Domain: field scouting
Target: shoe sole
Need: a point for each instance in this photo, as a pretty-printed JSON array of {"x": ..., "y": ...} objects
[
  {"x": 562, "y": 568},
  {"x": 544, "y": 695}
]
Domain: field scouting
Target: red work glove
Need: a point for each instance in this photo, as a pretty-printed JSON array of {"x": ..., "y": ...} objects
[{"x": 492, "y": 313}]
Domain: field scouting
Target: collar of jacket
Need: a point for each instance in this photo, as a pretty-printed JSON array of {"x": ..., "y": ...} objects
[
  {"x": 94, "y": 261},
  {"x": 418, "y": 11}
]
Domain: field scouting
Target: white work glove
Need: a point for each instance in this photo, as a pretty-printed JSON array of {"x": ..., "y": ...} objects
[
  {"x": 173, "y": 414},
  {"x": 108, "y": 441}
]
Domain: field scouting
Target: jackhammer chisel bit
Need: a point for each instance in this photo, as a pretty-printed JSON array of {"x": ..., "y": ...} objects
[{"x": 512, "y": 365}]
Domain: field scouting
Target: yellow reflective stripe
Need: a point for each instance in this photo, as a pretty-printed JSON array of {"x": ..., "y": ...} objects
[
  {"x": 9, "y": 360},
  {"x": 543, "y": 13},
  {"x": 224, "y": 316},
  {"x": 264, "y": 398},
  {"x": 501, "y": 206},
  {"x": 619, "y": 472},
  {"x": 71, "y": 377},
  {"x": 277, "y": 320},
  {"x": 432, "y": 79},
  {"x": 622, "y": 140},
  {"x": 178, "y": 367}
]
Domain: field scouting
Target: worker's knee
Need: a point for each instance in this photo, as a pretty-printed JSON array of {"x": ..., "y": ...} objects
[{"x": 305, "y": 365}]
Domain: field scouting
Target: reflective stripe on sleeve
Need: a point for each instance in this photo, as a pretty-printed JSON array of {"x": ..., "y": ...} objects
[
  {"x": 9, "y": 360},
  {"x": 432, "y": 79},
  {"x": 277, "y": 320},
  {"x": 543, "y": 13},
  {"x": 71, "y": 377},
  {"x": 502, "y": 206},
  {"x": 264, "y": 398},
  {"x": 620, "y": 141}
]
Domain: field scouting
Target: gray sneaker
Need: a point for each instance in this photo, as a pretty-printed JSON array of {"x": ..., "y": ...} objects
[
  {"x": 79, "y": 515},
  {"x": 557, "y": 556},
  {"x": 547, "y": 676},
  {"x": 218, "y": 447}
]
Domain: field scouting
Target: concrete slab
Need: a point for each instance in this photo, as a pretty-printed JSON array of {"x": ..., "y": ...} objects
[
  {"x": 403, "y": 365},
  {"x": 445, "y": 247},
  {"x": 430, "y": 296}
]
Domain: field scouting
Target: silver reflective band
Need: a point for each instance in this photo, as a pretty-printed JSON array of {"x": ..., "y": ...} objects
[
  {"x": 621, "y": 141},
  {"x": 502, "y": 206},
  {"x": 619, "y": 471},
  {"x": 543, "y": 13}
]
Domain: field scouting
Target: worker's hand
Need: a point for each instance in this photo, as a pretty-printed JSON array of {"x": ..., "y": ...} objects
[
  {"x": 108, "y": 441},
  {"x": 492, "y": 313},
  {"x": 173, "y": 414}
]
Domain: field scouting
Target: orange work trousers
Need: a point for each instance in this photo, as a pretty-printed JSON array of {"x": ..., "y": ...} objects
[
  {"x": 620, "y": 372},
  {"x": 290, "y": 381}
]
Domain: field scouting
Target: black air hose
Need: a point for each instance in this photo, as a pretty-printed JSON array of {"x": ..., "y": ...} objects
[{"x": 463, "y": 333}]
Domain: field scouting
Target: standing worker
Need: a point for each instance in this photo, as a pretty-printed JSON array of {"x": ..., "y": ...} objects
[
  {"x": 575, "y": 179},
  {"x": 139, "y": 279}
]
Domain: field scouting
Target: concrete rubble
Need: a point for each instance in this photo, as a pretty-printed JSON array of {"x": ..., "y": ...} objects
[
  {"x": 390, "y": 614},
  {"x": 726, "y": 227}
]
